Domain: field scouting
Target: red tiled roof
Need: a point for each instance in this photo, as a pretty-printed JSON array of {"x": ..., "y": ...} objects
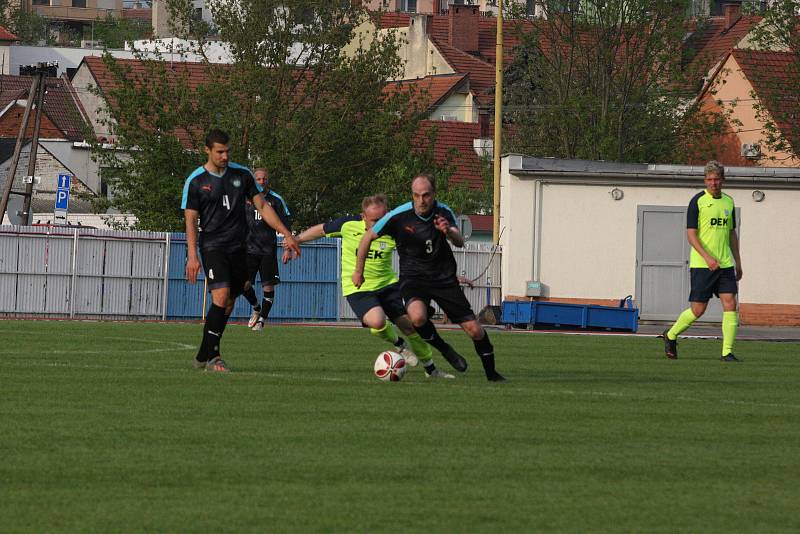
[
  {"x": 482, "y": 223},
  {"x": 431, "y": 90},
  {"x": 712, "y": 41},
  {"x": 454, "y": 141},
  {"x": 60, "y": 106},
  {"x": 196, "y": 74},
  {"x": 772, "y": 75},
  {"x": 481, "y": 74},
  {"x": 6, "y": 35}
]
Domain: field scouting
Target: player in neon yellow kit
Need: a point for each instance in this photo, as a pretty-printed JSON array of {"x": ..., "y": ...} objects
[
  {"x": 714, "y": 263},
  {"x": 379, "y": 296}
]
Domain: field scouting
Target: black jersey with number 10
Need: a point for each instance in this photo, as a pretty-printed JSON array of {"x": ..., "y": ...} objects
[
  {"x": 424, "y": 251},
  {"x": 220, "y": 201},
  {"x": 262, "y": 238}
]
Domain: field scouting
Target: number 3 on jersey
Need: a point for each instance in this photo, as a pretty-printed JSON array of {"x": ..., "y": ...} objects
[
  {"x": 226, "y": 202},
  {"x": 428, "y": 246}
]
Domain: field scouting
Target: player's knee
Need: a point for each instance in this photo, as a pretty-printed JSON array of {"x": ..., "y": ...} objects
[{"x": 473, "y": 329}]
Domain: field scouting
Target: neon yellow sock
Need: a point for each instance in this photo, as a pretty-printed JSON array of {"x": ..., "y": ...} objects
[
  {"x": 685, "y": 320},
  {"x": 387, "y": 333},
  {"x": 420, "y": 348},
  {"x": 730, "y": 323}
]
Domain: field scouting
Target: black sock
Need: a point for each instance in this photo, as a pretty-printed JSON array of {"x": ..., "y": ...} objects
[
  {"x": 266, "y": 304},
  {"x": 250, "y": 295},
  {"x": 212, "y": 333},
  {"x": 431, "y": 336},
  {"x": 485, "y": 350},
  {"x": 400, "y": 343}
]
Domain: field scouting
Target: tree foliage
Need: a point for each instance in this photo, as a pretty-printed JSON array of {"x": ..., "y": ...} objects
[
  {"x": 601, "y": 80},
  {"x": 293, "y": 101}
]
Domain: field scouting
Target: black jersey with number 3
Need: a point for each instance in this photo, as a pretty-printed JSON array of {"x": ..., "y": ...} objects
[
  {"x": 220, "y": 201},
  {"x": 424, "y": 251}
]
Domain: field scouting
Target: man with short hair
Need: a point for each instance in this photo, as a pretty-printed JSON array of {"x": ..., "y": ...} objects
[
  {"x": 422, "y": 228},
  {"x": 214, "y": 202},
  {"x": 379, "y": 296},
  {"x": 262, "y": 255},
  {"x": 715, "y": 264}
]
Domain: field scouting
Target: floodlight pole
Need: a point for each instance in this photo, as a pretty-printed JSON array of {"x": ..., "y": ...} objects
[{"x": 498, "y": 124}]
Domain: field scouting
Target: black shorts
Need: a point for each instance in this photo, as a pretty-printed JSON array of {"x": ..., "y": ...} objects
[
  {"x": 387, "y": 298},
  {"x": 706, "y": 283},
  {"x": 264, "y": 264},
  {"x": 449, "y": 297},
  {"x": 225, "y": 269}
]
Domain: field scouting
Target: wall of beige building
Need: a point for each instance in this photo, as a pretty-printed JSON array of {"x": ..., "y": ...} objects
[{"x": 580, "y": 243}]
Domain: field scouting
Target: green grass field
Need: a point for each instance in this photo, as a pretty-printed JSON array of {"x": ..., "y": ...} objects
[{"x": 105, "y": 427}]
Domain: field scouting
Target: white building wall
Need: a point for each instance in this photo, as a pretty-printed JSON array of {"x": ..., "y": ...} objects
[{"x": 580, "y": 243}]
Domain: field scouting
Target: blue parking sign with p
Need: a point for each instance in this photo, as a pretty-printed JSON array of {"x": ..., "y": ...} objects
[{"x": 62, "y": 192}]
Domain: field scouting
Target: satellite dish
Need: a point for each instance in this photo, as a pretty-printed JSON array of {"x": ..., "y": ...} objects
[{"x": 464, "y": 226}]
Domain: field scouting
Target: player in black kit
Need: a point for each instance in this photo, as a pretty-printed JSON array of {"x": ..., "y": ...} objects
[
  {"x": 421, "y": 229},
  {"x": 262, "y": 255},
  {"x": 214, "y": 202}
]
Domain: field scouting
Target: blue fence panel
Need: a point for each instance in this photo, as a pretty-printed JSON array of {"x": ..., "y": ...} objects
[{"x": 309, "y": 287}]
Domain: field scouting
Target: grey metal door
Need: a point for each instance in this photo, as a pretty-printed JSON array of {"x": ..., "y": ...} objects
[{"x": 662, "y": 256}]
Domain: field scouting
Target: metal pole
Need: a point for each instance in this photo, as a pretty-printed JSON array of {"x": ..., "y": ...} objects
[
  {"x": 37, "y": 123},
  {"x": 23, "y": 127},
  {"x": 498, "y": 123},
  {"x": 74, "y": 274},
  {"x": 165, "y": 293}
]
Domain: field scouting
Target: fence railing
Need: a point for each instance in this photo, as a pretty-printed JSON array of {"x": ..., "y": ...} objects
[{"x": 102, "y": 274}]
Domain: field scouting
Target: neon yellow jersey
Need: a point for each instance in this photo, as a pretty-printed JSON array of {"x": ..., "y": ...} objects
[
  {"x": 378, "y": 272},
  {"x": 714, "y": 219}
]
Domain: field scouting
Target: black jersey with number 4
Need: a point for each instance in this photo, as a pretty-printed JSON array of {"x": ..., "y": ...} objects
[
  {"x": 220, "y": 200},
  {"x": 262, "y": 238},
  {"x": 424, "y": 251}
]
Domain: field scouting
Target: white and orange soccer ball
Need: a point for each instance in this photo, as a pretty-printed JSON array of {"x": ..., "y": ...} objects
[{"x": 390, "y": 366}]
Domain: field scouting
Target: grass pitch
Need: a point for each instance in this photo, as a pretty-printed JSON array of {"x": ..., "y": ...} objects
[{"x": 105, "y": 427}]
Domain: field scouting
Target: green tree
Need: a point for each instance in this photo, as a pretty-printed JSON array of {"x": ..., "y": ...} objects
[
  {"x": 293, "y": 101},
  {"x": 599, "y": 79},
  {"x": 114, "y": 32},
  {"x": 28, "y": 26}
]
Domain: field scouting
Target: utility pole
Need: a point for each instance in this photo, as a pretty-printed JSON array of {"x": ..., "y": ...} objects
[
  {"x": 37, "y": 124},
  {"x": 35, "y": 97}
]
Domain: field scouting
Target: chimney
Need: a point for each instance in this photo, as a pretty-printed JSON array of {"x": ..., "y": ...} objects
[
  {"x": 419, "y": 31},
  {"x": 732, "y": 15},
  {"x": 463, "y": 27}
]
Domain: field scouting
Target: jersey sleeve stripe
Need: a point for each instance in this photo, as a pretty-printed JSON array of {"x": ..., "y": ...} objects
[
  {"x": 283, "y": 202},
  {"x": 452, "y": 213},
  {"x": 197, "y": 172},
  {"x": 385, "y": 219}
]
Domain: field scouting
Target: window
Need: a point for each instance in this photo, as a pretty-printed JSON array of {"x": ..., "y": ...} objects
[{"x": 78, "y": 3}]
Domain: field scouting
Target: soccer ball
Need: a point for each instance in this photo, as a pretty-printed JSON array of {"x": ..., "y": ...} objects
[{"x": 390, "y": 366}]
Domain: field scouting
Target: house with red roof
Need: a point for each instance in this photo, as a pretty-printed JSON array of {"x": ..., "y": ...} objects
[
  {"x": 744, "y": 82},
  {"x": 62, "y": 148}
]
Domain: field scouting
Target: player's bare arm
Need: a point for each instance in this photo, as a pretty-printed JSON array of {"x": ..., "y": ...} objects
[
  {"x": 691, "y": 235},
  {"x": 735, "y": 251},
  {"x": 363, "y": 248},
  {"x": 271, "y": 217},
  {"x": 451, "y": 232},
  {"x": 192, "y": 262}
]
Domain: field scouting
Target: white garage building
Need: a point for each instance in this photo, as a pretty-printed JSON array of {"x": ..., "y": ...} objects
[{"x": 594, "y": 232}]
